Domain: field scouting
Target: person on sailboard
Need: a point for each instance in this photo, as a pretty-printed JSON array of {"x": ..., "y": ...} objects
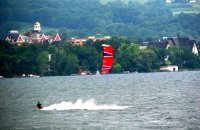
[{"x": 39, "y": 105}]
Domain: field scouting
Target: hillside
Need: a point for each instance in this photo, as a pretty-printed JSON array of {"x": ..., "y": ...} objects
[
  {"x": 75, "y": 18},
  {"x": 187, "y": 8}
]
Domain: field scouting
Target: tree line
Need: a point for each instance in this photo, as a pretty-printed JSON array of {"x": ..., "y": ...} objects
[{"x": 67, "y": 59}]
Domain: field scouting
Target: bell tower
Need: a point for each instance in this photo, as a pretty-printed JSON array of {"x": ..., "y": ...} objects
[{"x": 37, "y": 27}]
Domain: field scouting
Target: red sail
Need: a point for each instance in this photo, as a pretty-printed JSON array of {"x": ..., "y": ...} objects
[{"x": 107, "y": 58}]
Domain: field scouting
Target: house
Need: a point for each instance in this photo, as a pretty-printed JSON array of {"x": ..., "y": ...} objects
[
  {"x": 56, "y": 37},
  {"x": 81, "y": 41},
  {"x": 192, "y": 1},
  {"x": 185, "y": 42},
  {"x": 76, "y": 41},
  {"x": 169, "y": 68},
  {"x": 168, "y": 1},
  {"x": 32, "y": 36},
  {"x": 176, "y": 41},
  {"x": 13, "y": 36},
  {"x": 159, "y": 44},
  {"x": 143, "y": 45}
]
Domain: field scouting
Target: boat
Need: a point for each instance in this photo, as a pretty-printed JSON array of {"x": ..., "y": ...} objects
[
  {"x": 107, "y": 58},
  {"x": 84, "y": 72}
]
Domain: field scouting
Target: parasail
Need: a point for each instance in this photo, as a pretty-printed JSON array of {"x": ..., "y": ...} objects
[{"x": 107, "y": 58}]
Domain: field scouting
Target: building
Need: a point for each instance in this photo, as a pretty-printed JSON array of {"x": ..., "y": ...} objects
[
  {"x": 185, "y": 42},
  {"x": 159, "y": 44},
  {"x": 168, "y": 1},
  {"x": 143, "y": 45},
  {"x": 169, "y": 68},
  {"x": 81, "y": 41},
  {"x": 192, "y": 1},
  {"x": 77, "y": 41},
  {"x": 32, "y": 36},
  {"x": 176, "y": 41}
]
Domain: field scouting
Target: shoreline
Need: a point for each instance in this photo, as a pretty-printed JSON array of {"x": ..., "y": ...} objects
[{"x": 125, "y": 72}]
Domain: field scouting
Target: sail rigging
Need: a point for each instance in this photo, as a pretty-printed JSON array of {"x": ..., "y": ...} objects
[{"x": 107, "y": 58}]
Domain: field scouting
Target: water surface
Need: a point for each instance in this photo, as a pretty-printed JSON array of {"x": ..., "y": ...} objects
[{"x": 147, "y": 101}]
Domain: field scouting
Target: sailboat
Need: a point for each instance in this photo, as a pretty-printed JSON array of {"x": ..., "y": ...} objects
[{"x": 107, "y": 58}]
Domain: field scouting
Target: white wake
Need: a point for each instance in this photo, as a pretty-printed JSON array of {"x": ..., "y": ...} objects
[{"x": 80, "y": 105}]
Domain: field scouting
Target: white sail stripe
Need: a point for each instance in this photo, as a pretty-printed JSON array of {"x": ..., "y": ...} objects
[
  {"x": 107, "y": 56},
  {"x": 106, "y": 45},
  {"x": 106, "y": 66}
]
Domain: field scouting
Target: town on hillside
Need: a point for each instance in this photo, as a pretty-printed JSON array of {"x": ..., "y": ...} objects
[
  {"x": 32, "y": 36},
  {"x": 36, "y": 36}
]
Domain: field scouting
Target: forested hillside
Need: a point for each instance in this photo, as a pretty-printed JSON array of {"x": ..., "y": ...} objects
[{"x": 81, "y": 18}]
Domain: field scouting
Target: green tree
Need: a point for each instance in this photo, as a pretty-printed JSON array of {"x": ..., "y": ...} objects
[
  {"x": 183, "y": 57},
  {"x": 117, "y": 68},
  {"x": 28, "y": 54},
  {"x": 128, "y": 57},
  {"x": 88, "y": 58},
  {"x": 161, "y": 56},
  {"x": 71, "y": 64},
  {"x": 43, "y": 62},
  {"x": 9, "y": 60},
  {"x": 146, "y": 59}
]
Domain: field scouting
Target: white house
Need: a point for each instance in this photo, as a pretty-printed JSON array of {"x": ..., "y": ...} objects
[{"x": 169, "y": 68}]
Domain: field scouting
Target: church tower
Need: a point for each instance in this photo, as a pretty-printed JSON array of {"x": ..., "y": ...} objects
[{"x": 37, "y": 27}]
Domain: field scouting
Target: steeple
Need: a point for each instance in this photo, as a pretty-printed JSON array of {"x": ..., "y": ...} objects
[{"x": 37, "y": 27}]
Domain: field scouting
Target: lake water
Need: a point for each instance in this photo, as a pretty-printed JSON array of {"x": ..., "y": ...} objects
[{"x": 138, "y": 101}]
